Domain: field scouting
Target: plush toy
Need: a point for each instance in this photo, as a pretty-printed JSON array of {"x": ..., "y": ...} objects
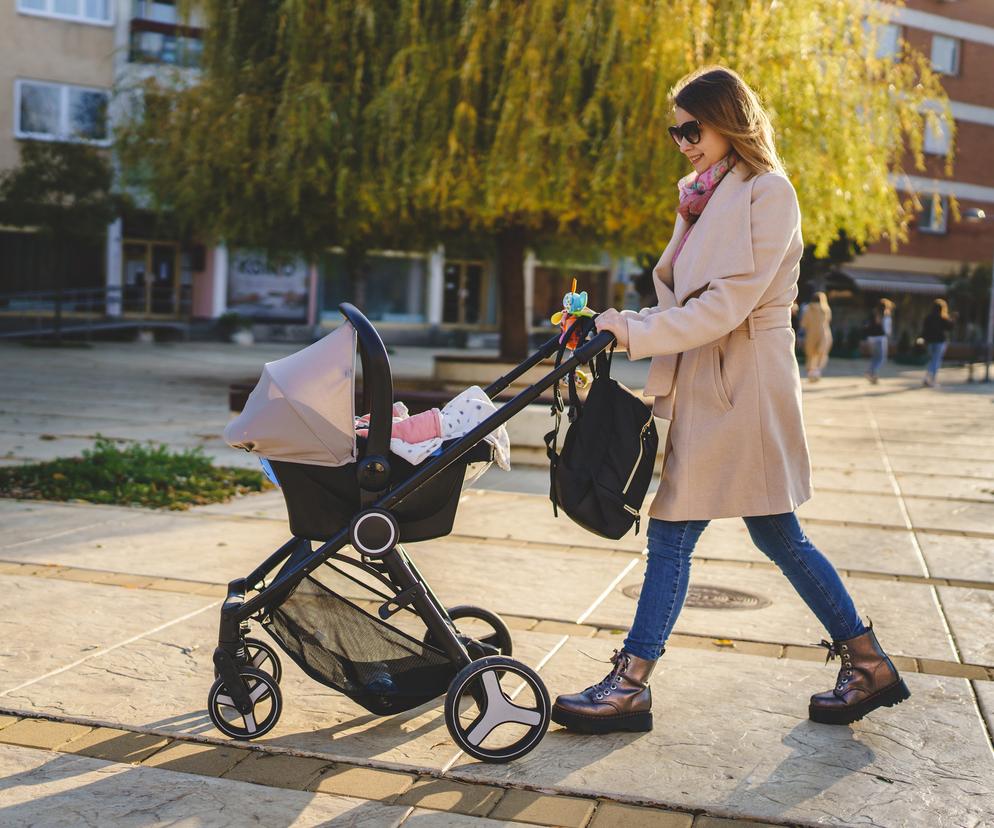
[{"x": 574, "y": 307}]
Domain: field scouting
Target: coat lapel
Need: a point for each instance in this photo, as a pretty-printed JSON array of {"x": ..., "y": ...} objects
[{"x": 721, "y": 241}]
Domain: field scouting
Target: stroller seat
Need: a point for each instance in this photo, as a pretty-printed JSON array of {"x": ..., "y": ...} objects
[{"x": 321, "y": 500}]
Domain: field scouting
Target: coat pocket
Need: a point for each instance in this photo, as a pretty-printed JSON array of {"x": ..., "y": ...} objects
[{"x": 720, "y": 386}]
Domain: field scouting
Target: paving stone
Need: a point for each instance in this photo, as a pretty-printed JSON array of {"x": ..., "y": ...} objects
[
  {"x": 561, "y": 628},
  {"x": 278, "y": 770},
  {"x": 952, "y": 556},
  {"x": 6, "y": 720},
  {"x": 116, "y": 745},
  {"x": 191, "y": 757},
  {"x": 952, "y": 515},
  {"x": 41, "y": 733},
  {"x": 542, "y": 809},
  {"x": 951, "y": 668},
  {"x": 66, "y": 790},
  {"x": 720, "y": 822},
  {"x": 365, "y": 783},
  {"x": 969, "y": 613},
  {"x": 426, "y": 818},
  {"x": 618, "y": 815},
  {"x": 446, "y": 795}
]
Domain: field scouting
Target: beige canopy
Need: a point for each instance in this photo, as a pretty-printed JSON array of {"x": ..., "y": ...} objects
[{"x": 302, "y": 409}]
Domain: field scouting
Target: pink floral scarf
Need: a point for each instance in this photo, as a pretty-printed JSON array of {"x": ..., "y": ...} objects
[{"x": 696, "y": 190}]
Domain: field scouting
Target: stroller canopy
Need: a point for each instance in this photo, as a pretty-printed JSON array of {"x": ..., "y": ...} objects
[{"x": 302, "y": 409}]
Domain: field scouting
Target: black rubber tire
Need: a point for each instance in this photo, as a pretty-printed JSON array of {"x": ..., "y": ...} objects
[
  {"x": 252, "y": 678},
  {"x": 468, "y": 681},
  {"x": 271, "y": 657},
  {"x": 500, "y": 638}
]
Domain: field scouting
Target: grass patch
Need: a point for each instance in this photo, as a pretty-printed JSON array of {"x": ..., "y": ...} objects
[{"x": 135, "y": 475}]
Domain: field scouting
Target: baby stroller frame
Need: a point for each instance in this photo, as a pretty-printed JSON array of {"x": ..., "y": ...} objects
[{"x": 247, "y": 670}]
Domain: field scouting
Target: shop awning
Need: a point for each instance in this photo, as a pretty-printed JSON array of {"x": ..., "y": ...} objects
[{"x": 893, "y": 281}]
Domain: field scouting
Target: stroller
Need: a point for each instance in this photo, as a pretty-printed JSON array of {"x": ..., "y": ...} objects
[{"x": 342, "y": 598}]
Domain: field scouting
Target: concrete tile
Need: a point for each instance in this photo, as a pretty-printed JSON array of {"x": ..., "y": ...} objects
[
  {"x": 720, "y": 822},
  {"x": 28, "y": 522},
  {"x": 787, "y": 619},
  {"x": 985, "y": 697},
  {"x": 426, "y": 818},
  {"x": 619, "y": 815},
  {"x": 952, "y": 515},
  {"x": 952, "y": 556},
  {"x": 191, "y": 757},
  {"x": 861, "y": 507},
  {"x": 114, "y": 745},
  {"x": 446, "y": 795},
  {"x": 65, "y": 791},
  {"x": 41, "y": 733},
  {"x": 952, "y": 668},
  {"x": 364, "y": 783},
  {"x": 6, "y": 720},
  {"x": 909, "y": 463},
  {"x": 69, "y": 620},
  {"x": 969, "y": 612},
  {"x": 968, "y": 488},
  {"x": 542, "y": 809},
  {"x": 277, "y": 770},
  {"x": 498, "y": 515},
  {"x": 926, "y": 755},
  {"x": 850, "y": 480}
]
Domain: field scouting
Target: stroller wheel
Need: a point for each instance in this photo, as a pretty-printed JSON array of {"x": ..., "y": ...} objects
[
  {"x": 497, "y": 709},
  {"x": 484, "y": 626},
  {"x": 267, "y": 705},
  {"x": 262, "y": 657}
]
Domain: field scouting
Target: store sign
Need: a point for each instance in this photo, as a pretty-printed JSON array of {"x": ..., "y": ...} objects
[{"x": 262, "y": 289}]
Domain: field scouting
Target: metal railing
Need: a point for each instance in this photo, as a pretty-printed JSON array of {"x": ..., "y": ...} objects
[{"x": 55, "y": 313}]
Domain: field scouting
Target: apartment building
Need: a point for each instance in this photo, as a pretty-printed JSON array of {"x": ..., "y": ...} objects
[{"x": 958, "y": 35}]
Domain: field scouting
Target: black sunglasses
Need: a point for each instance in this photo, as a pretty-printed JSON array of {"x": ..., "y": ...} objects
[{"x": 691, "y": 131}]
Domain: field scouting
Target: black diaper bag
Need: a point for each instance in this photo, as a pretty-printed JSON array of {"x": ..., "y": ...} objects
[{"x": 604, "y": 469}]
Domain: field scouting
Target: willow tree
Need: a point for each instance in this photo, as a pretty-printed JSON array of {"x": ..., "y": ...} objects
[
  {"x": 548, "y": 118},
  {"x": 344, "y": 122}
]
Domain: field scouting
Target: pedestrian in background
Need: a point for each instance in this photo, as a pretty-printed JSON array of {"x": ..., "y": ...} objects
[
  {"x": 935, "y": 333},
  {"x": 816, "y": 324},
  {"x": 878, "y": 330}
]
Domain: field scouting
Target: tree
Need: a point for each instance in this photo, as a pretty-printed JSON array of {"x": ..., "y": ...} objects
[
  {"x": 350, "y": 122},
  {"x": 65, "y": 192}
]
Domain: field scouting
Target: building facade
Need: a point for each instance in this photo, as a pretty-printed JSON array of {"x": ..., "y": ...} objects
[{"x": 958, "y": 35}]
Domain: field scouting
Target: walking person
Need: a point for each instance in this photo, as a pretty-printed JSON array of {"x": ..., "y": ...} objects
[
  {"x": 723, "y": 371},
  {"x": 817, "y": 326},
  {"x": 935, "y": 333},
  {"x": 878, "y": 330}
]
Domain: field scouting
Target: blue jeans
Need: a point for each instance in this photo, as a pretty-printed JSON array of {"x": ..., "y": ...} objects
[
  {"x": 779, "y": 537},
  {"x": 878, "y": 353},
  {"x": 936, "y": 350}
]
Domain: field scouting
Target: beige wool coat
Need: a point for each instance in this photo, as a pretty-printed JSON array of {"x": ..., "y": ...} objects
[{"x": 723, "y": 367}]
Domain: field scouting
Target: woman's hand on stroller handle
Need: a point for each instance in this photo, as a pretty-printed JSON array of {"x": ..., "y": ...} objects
[{"x": 613, "y": 322}]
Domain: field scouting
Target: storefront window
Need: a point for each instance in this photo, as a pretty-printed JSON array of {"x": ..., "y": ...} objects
[
  {"x": 265, "y": 289},
  {"x": 395, "y": 287}
]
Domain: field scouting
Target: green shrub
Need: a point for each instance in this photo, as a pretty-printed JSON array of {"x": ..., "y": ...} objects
[{"x": 138, "y": 474}]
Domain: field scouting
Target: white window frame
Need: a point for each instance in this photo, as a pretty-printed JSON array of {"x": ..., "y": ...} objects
[
  {"x": 957, "y": 46},
  {"x": 935, "y": 226},
  {"x": 64, "y": 133},
  {"x": 885, "y": 32},
  {"x": 937, "y": 140},
  {"x": 49, "y": 11}
]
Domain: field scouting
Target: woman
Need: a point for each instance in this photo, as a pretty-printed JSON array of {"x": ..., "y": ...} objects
[
  {"x": 816, "y": 324},
  {"x": 935, "y": 333},
  {"x": 878, "y": 331},
  {"x": 723, "y": 371}
]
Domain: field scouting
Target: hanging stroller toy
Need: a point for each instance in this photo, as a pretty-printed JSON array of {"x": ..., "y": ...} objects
[{"x": 358, "y": 503}]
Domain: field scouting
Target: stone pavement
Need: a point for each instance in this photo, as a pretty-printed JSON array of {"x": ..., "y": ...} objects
[{"x": 110, "y": 620}]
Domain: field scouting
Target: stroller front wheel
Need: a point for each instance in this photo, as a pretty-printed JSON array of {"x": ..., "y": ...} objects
[
  {"x": 497, "y": 709},
  {"x": 267, "y": 705},
  {"x": 485, "y": 627},
  {"x": 263, "y": 657}
]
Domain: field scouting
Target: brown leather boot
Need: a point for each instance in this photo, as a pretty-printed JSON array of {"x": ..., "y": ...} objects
[
  {"x": 621, "y": 701},
  {"x": 867, "y": 680}
]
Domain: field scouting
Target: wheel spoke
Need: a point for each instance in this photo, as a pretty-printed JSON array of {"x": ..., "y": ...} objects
[
  {"x": 499, "y": 710},
  {"x": 261, "y": 657},
  {"x": 249, "y": 720},
  {"x": 227, "y": 701},
  {"x": 259, "y": 692}
]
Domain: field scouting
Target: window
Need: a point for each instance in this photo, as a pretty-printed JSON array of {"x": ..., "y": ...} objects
[
  {"x": 934, "y": 216},
  {"x": 937, "y": 137},
  {"x": 396, "y": 287},
  {"x": 945, "y": 54},
  {"x": 161, "y": 11},
  {"x": 158, "y": 47},
  {"x": 887, "y": 37},
  {"x": 60, "y": 112},
  {"x": 82, "y": 11}
]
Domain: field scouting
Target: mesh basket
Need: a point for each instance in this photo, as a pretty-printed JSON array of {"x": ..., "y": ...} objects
[{"x": 340, "y": 645}]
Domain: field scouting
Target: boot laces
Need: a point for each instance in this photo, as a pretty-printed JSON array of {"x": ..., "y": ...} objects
[{"x": 619, "y": 658}]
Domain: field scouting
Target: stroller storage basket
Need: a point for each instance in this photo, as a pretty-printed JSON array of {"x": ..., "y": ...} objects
[{"x": 340, "y": 645}]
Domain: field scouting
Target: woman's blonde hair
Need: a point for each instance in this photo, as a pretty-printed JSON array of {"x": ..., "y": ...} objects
[
  {"x": 941, "y": 307},
  {"x": 718, "y": 97}
]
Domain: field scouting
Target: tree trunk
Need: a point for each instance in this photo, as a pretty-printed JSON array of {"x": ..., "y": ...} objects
[
  {"x": 511, "y": 274},
  {"x": 355, "y": 269}
]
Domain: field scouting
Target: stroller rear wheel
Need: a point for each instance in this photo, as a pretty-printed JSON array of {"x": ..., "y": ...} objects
[
  {"x": 262, "y": 657},
  {"x": 265, "y": 697},
  {"x": 485, "y": 627},
  {"x": 497, "y": 709}
]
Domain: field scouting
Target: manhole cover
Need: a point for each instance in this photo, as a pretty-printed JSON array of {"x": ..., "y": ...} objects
[{"x": 712, "y": 597}]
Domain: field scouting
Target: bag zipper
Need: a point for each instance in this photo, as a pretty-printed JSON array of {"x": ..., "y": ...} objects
[{"x": 638, "y": 460}]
